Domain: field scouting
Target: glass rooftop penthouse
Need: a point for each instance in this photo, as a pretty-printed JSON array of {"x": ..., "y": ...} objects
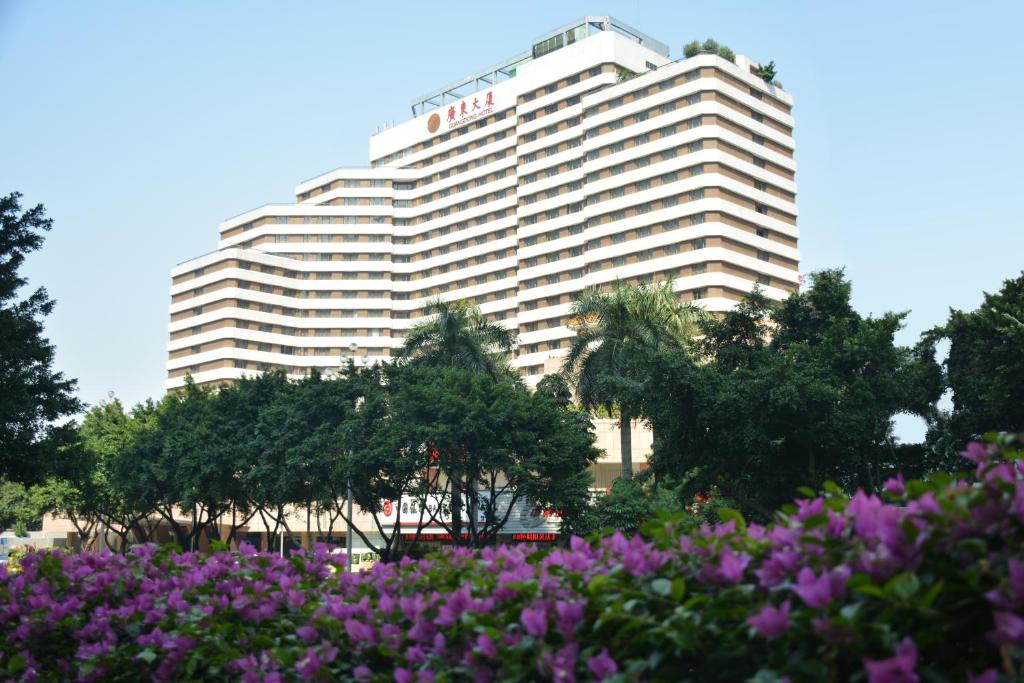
[{"x": 547, "y": 43}]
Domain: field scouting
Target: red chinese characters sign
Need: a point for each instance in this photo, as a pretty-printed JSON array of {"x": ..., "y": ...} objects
[{"x": 466, "y": 111}]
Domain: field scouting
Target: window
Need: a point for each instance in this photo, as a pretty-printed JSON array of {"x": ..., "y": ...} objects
[
  {"x": 700, "y": 293},
  {"x": 282, "y": 219},
  {"x": 764, "y": 280},
  {"x": 760, "y": 163},
  {"x": 762, "y": 255},
  {"x": 693, "y": 99},
  {"x": 756, "y": 116},
  {"x": 761, "y": 232},
  {"x": 698, "y": 243},
  {"x": 761, "y": 185},
  {"x": 697, "y": 219},
  {"x": 761, "y": 209},
  {"x": 699, "y": 268},
  {"x": 697, "y": 194}
]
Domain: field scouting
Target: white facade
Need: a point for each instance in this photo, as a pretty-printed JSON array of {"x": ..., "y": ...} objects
[{"x": 562, "y": 177}]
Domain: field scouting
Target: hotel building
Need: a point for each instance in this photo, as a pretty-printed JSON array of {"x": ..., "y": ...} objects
[{"x": 591, "y": 158}]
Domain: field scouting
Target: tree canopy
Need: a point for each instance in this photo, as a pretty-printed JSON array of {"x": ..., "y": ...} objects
[
  {"x": 788, "y": 395},
  {"x": 985, "y": 366},
  {"x": 34, "y": 397},
  {"x": 613, "y": 328}
]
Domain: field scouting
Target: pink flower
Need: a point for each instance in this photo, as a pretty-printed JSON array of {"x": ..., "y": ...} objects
[
  {"x": 896, "y": 669},
  {"x": 895, "y": 486},
  {"x": 1009, "y": 628},
  {"x": 987, "y": 676},
  {"x": 486, "y": 646},
  {"x": 732, "y": 565},
  {"x": 818, "y": 591},
  {"x": 562, "y": 664},
  {"x": 535, "y": 621},
  {"x": 569, "y": 615},
  {"x": 602, "y": 665},
  {"x": 976, "y": 453},
  {"x": 771, "y": 622}
]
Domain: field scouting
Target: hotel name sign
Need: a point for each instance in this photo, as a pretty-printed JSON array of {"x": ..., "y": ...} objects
[{"x": 465, "y": 111}]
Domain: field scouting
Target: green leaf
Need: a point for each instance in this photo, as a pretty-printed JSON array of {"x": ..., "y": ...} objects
[
  {"x": 833, "y": 488},
  {"x": 662, "y": 587},
  {"x": 16, "y": 664},
  {"x": 928, "y": 599},
  {"x": 728, "y": 514},
  {"x": 903, "y": 586},
  {"x": 147, "y": 656},
  {"x": 815, "y": 521},
  {"x": 806, "y": 491},
  {"x": 678, "y": 588},
  {"x": 597, "y": 583}
]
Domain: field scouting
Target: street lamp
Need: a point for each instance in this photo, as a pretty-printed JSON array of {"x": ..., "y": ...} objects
[{"x": 352, "y": 348}]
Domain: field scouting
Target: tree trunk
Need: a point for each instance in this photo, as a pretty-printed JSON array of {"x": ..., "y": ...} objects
[
  {"x": 626, "y": 442},
  {"x": 456, "y": 504}
]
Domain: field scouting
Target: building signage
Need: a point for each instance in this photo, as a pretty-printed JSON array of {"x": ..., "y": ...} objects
[
  {"x": 525, "y": 517},
  {"x": 465, "y": 111}
]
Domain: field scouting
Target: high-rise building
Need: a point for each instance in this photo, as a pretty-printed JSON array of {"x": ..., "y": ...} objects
[{"x": 592, "y": 158}]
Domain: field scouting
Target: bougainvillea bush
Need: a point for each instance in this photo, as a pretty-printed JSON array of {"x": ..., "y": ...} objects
[{"x": 925, "y": 583}]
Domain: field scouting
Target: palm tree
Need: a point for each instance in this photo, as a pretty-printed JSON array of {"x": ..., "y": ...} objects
[
  {"x": 457, "y": 335},
  {"x": 610, "y": 327}
]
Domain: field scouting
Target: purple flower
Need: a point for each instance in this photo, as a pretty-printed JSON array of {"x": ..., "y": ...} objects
[
  {"x": 308, "y": 666},
  {"x": 896, "y": 669},
  {"x": 602, "y": 665},
  {"x": 569, "y": 615},
  {"x": 486, "y": 646},
  {"x": 976, "y": 453},
  {"x": 815, "y": 591},
  {"x": 360, "y": 632},
  {"x": 732, "y": 565},
  {"x": 895, "y": 486},
  {"x": 535, "y": 621},
  {"x": 307, "y": 633},
  {"x": 362, "y": 672},
  {"x": 562, "y": 665},
  {"x": 771, "y": 622},
  {"x": 987, "y": 676},
  {"x": 1009, "y": 628}
]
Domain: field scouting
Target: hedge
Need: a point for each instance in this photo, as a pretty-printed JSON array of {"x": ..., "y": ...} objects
[{"x": 925, "y": 583}]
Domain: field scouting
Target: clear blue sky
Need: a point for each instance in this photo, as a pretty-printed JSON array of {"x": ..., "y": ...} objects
[{"x": 142, "y": 125}]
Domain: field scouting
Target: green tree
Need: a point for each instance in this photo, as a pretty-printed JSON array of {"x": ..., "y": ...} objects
[
  {"x": 18, "y": 508},
  {"x": 493, "y": 442},
  {"x": 788, "y": 395},
  {"x": 457, "y": 335},
  {"x": 33, "y": 397},
  {"x": 611, "y": 329},
  {"x": 985, "y": 366}
]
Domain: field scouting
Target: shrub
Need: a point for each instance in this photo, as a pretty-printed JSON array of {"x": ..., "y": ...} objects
[
  {"x": 925, "y": 583},
  {"x": 766, "y": 72},
  {"x": 709, "y": 46}
]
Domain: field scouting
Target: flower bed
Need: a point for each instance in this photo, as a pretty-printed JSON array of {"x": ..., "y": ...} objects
[{"x": 928, "y": 585}]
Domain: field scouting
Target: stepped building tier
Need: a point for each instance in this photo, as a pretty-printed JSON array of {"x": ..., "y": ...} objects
[{"x": 594, "y": 157}]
